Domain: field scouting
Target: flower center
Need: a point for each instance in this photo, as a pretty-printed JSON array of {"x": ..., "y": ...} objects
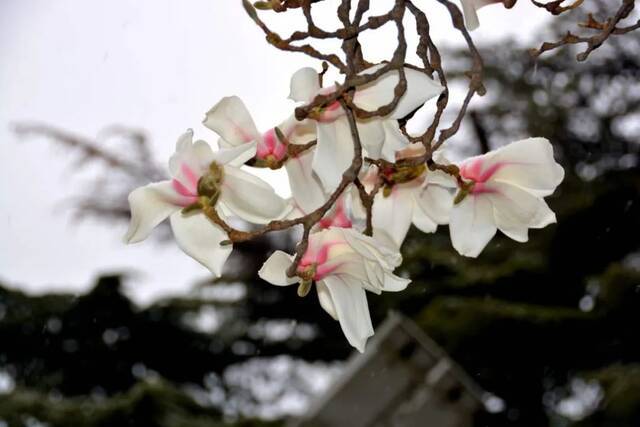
[
  {"x": 210, "y": 182},
  {"x": 314, "y": 266},
  {"x": 399, "y": 174}
]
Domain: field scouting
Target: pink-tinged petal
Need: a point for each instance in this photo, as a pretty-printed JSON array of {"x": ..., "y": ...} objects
[
  {"x": 230, "y": 119},
  {"x": 150, "y": 205},
  {"x": 472, "y": 225},
  {"x": 235, "y": 156},
  {"x": 333, "y": 153},
  {"x": 352, "y": 309},
  {"x": 306, "y": 188},
  {"x": 274, "y": 270},
  {"x": 250, "y": 198},
  {"x": 271, "y": 146},
  {"x": 420, "y": 88},
  {"x": 516, "y": 210},
  {"x": 338, "y": 216},
  {"x": 393, "y": 214},
  {"x": 529, "y": 164},
  {"x": 189, "y": 161},
  {"x": 200, "y": 238},
  {"x": 305, "y": 84}
]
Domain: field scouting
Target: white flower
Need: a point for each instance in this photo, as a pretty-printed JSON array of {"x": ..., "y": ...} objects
[
  {"x": 509, "y": 186},
  {"x": 231, "y": 120},
  {"x": 343, "y": 263},
  {"x": 381, "y": 137},
  {"x": 409, "y": 194},
  {"x": 198, "y": 172},
  {"x": 470, "y": 10}
]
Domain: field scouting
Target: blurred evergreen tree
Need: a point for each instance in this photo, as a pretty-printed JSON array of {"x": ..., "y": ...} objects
[{"x": 526, "y": 320}]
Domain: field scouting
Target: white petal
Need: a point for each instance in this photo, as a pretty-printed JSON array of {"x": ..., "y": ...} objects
[
  {"x": 235, "y": 156},
  {"x": 333, "y": 153},
  {"x": 470, "y": 8},
  {"x": 196, "y": 157},
  {"x": 472, "y": 225},
  {"x": 394, "y": 140},
  {"x": 433, "y": 202},
  {"x": 200, "y": 238},
  {"x": 306, "y": 188},
  {"x": 274, "y": 269},
  {"x": 305, "y": 84},
  {"x": 393, "y": 283},
  {"x": 371, "y": 134},
  {"x": 326, "y": 302},
  {"x": 150, "y": 205},
  {"x": 230, "y": 119},
  {"x": 250, "y": 198},
  {"x": 422, "y": 221},
  {"x": 351, "y": 306},
  {"x": 380, "y": 92},
  {"x": 303, "y": 132},
  {"x": 379, "y": 249},
  {"x": 516, "y": 210},
  {"x": 470, "y": 14},
  {"x": 529, "y": 164},
  {"x": 393, "y": 214}
]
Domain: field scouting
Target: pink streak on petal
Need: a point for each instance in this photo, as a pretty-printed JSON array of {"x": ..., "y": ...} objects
[
  {"x": 486, "y": 175},
  {"x": 280, "y": 151},
  {"x": 270, "y": 138},
  {"x": 181, "y": 189},
  {"x": 262, "y": 150},
  {"x": 270, "y": 145},
  {"x": 319, "y": 258},
  {"x": 482, "y": 188},
  {"x": 472, "y": 170},
  {"x": 244, "y": 136},
  {"x": 325, "y": 270},
  {"x": 191, "y": 177},
  {"x": 338, "y": 219},
  {"x": 187, "y": 197}
]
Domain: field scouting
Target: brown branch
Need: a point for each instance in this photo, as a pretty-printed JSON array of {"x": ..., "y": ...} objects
[
  {"x": 606, "y": 29},
  {"x": 556, "y": 7}
]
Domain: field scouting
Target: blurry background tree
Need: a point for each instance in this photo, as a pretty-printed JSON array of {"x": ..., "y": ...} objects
[{"x": 548, "y": 326}]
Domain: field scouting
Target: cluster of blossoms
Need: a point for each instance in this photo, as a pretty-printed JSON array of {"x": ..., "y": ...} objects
[{"x": 503, "y": 189}]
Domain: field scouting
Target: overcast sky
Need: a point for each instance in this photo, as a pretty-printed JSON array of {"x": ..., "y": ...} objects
[{"x": 158, "y": 65}]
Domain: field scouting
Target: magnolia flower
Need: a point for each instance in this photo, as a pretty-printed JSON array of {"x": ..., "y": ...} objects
[
  {"x": 202, "y": 177},
  {"x": 343, "y": 264},
  {"x": 506, "y": 191},
  {"x": 380, "y": 137},
  {"x": 409, "y": 194},
  {"x": 231, "y": 120},
  {"x": 470, "y": 10}
]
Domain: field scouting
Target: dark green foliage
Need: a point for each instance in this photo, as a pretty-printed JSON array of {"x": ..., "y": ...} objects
[{"x": 522, "y": 319}]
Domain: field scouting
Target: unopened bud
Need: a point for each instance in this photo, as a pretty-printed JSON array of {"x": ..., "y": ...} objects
[
  {"x": 263, "y": 5},
  {"x": 304, "y": 288},
  {"x": 464, "y": 192}
]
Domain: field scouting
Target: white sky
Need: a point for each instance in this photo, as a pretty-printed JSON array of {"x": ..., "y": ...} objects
[{"x": 158, "y": 65}]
